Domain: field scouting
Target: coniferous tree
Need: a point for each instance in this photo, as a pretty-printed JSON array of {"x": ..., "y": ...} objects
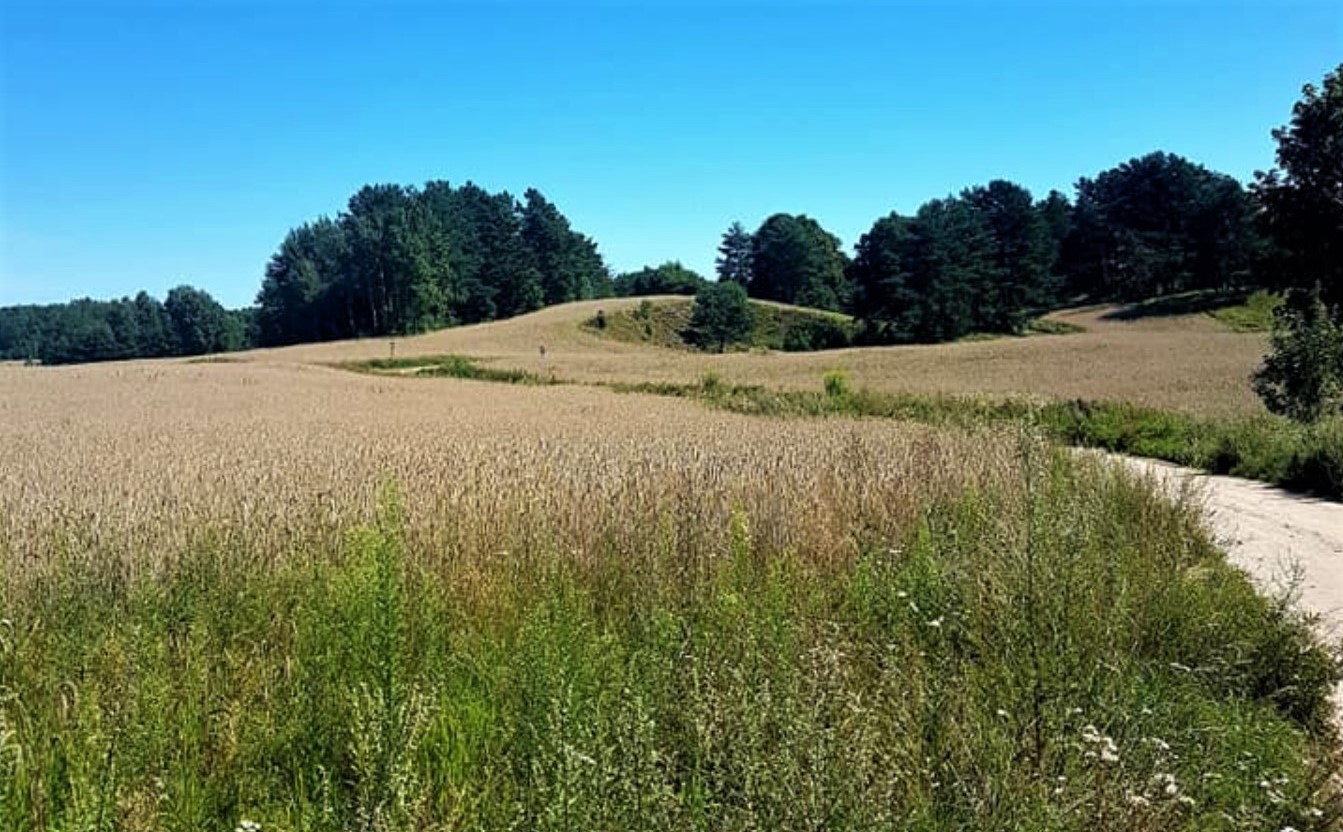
[
  {"x": 1022, "y": 282},
  {"x": 735, "y": 262},
  {"x": 884, "y": 296},
  {"x": 1155, "y": 225},
  {"x": 797, "y": 261}
]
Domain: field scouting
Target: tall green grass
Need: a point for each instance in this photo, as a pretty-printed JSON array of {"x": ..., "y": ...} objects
[{"x": 1066, "y": 651}]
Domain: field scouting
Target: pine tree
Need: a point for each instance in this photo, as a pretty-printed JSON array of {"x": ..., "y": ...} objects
[{"x": 734, "y": 263}]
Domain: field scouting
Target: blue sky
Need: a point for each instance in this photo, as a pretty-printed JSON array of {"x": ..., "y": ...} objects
[{"x": 149, "y": 144}]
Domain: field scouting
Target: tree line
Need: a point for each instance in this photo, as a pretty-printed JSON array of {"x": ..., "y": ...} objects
[
  {"x": 401, "y": 260},
  {"x": 187, "y": 322},
  {"x": 991, "y": 257},
  {"x": 404, "y": 259}
]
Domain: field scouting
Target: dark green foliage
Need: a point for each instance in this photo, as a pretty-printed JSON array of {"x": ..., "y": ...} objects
[
  {"x": 931, "y": 277},
  {"x": 1056, "y": 213},
  {"x": 670, "y": 278},
  {"x": 1302, "y": 377},
  {"x": 1303, "y": 197},
  {"x": 735, "y": 261},
  {"x": 1157, "y": 225},
  {"x": 404, "y": 259},
  {"x": 773, "y": 327},
  {"x": 884, "y": 295},
  {"x": 721, "y": 316},
  {"x": 979, "y": 263},
  {"x": 817, "y": 332},
  {"x": 199, "y": 324},
  {"x": 1023, "y": 255},
  {"x": 296, "y": 303},
  {"x": 795, "y": 260},
  {"x": 190, "y": 322},
  {"x": 569, "y": 265}
]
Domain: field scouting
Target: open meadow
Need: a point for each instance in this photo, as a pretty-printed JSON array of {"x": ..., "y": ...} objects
[{"x": 272, "y": 591}]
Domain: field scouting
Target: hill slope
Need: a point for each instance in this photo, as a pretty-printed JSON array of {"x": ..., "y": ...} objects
[{"x": 1189, "y": 363}]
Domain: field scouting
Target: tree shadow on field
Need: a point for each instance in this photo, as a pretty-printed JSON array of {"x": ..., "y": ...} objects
[{"x": 1186, "y": 303}]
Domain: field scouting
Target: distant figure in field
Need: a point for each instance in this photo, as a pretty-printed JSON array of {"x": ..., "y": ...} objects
[{"x": 543, "y": 350}]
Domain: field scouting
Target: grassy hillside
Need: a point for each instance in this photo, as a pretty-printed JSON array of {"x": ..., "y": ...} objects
[{"x": 665, "y": 323}]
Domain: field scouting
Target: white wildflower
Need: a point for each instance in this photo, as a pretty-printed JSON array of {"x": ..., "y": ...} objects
[{"x": 1138, "y": 800}]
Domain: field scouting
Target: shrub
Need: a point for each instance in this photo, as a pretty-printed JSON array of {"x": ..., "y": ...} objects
[
  {"x": 1302, "y": 377},
  {"x": 836, "y": 384},
  {"x": 815, "y": 333}
]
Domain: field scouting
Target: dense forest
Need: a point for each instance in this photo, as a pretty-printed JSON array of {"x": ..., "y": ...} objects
[
  {"x": 989, "y": 258},
  {"x": 187, "y": 322},
  {"x": 402, "y": 259},
  {"x": 405, "y": 259}
]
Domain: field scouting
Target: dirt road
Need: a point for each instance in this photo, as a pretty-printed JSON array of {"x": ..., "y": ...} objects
[{"x": 1274, "y": 535}]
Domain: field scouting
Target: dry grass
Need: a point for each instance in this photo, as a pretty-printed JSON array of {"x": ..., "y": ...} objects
[{"x": 1189, "y": 363}]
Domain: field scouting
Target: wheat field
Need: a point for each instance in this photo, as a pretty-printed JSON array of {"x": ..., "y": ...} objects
[
  {"x": 1189, "y": 363},
  {"x": 270, "y": 593},
  {"x": 139, "y": 455}
]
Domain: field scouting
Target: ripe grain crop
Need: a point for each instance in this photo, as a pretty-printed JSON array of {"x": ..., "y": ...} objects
[
  {"x": 1187, "y": 363},
  {"x": 271, "y": 596},
  {"x": 137, "y": 457}
]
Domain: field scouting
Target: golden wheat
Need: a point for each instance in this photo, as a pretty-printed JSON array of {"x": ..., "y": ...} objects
[
  {"x": 1189, "y": 363},
  {"x": 132, "y": 463}
]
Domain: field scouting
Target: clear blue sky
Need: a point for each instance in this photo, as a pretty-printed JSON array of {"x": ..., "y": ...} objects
[{"x": 144, "y": 145}]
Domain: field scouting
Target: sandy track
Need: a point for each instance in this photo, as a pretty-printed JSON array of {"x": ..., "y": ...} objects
[{"x": 1276, "y": 536}]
